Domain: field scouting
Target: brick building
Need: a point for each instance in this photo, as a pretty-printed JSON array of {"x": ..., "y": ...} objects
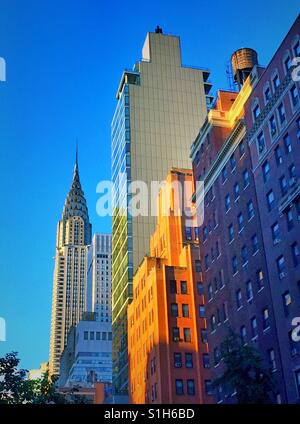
[
  {"x": 273, "y": 134},
  {"x": 167, "y": 335},
  {"x": 250, "y": 235}
]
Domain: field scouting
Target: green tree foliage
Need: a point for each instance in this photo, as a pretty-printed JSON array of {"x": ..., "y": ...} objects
[
  {"x": 15, "y": 388},
  {"x": 244, "y": 373}
]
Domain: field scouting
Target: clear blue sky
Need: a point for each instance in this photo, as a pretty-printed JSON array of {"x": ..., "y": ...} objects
[{"x": 64, "y": 61}]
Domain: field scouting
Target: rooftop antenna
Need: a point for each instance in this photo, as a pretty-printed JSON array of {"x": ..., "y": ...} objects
[{"x": 76, "y": 161}]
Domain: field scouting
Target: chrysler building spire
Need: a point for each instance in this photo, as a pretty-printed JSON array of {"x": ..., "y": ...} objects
[{"x": 70, "y": 274}]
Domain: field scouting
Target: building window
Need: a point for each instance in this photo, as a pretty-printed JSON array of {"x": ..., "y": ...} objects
[
  {"x": 246, "y": 178},
  {"x": 254, "y": 240},
  {"x": 225, "y": 311},
  {"x": 227, "y": 202},
  {"x": 86, "y": 335},
  {"x": 232, "y": 162},
  {"x": 289, "y": 219},
  {"x": 173, "y": 288},
  {"x": 176, "y": 334},
  {"x": 292, "y": 172},
  {"x": 92, "y": 335},
  {"x": 198, "y": 265},
  {"x": 189, "y": 360},
  {"x": 188, "y": 233},
  {"x": 249, "y": 290},
  {"x": 234, "y": 262},
  {"x": 275, "y": 233},
  {"x": 295, "y": 254},
  {"x": 177, "y": 360},
  {"x": 272, "y": 126},
  {"x": 209, "y": 389},
  {"x": 205, "y": 359},
  {"x": 183, "y": 287},
  {"x": 281, "y": 113},
  {"x": 283, "y": 185},
  {"x": 205, "y": 233},
  {"x": 256, "y": 113},
  {"x": 266, "y": 319},
  {"x": 210, "y": 291},
  {"x": 278, "y": 156},
  {"x": 261, "y": 143},
  {"x": 267, "y": 94},
  {"x": 202, "y": 311},
  {"x": 243, "y": 334},
  {"x": 224, "y": 174},
  {"x": 244, "y": 253},
  {"x": 294, "y": 96},
  {"x": 266, "y": 171},
  {"x": 238, "y": 298},
  {"x": 213, "y": 322},
  {"x": 187, "y": 335},
  {"x": 236, "y": 190},
  {"x": 98, "y": 335},
  {"x": 200, "y": 288},
  {"x": 179, "y": 387},
  {"x": 287, "y": 301},
  {"x": 204, "y": 335},
  {"x": 254, "y": 329},
  {"x": 281, "y": 267},
  {"x": 272, "y": 361},
  {"x": 287, "y": 143},
  {"x": 206, "y": 262},
  {"x": 215, "y": 219},
  {"x": 276, "y": 82},
  {"x": 174, "y": 309},
  {"x": 240, "y": 219},
  {"x": 270, "y": 200},
  {"x": 250, "y": 208},
  {"x": 185, "y": 310},
  {"x": 241, "y": 148},
  {"x": 287, "y": 64},
  {"x": 296, "y": 49},
  {"x": 191, "y": 387},
  {"x": 217, "y": 356},
  {"x": 230, "y": 232}
]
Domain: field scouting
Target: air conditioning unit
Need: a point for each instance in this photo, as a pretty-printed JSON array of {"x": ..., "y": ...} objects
[
  {"x": 294, "y": 351},
  {"x": 276, "y": 240},
  {"x": 178, "y": 365},
  {"x": 292, "y": 181},
  {"x": 273, "y": 131},
  {"x": 282, "y": 275}
]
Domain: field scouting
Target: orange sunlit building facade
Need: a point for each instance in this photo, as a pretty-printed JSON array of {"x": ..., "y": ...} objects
[{"x": 167, "y": 336}]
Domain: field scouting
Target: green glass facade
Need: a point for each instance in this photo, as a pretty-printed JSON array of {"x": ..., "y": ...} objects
[{"x": 122, "y": 264}]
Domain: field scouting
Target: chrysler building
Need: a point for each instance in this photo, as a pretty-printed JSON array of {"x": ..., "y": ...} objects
[{"x": 70, "y": 273}]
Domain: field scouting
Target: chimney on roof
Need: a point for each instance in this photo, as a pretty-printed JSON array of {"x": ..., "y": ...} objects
[{"x": 158, "y": 30}]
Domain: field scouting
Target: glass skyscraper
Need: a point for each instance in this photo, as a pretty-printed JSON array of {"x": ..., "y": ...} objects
[{"x": 160, "y": 106}]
